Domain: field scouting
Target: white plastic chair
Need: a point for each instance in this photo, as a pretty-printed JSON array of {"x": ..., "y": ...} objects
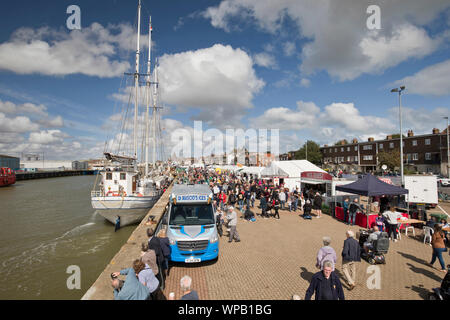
[
  {"x": 427, "y": 233},
  {"x": 410, "y": 227}
]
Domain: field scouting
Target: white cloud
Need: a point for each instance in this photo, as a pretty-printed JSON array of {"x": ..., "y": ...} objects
[
  {"x": 56, "y": 122},
  {"x": 264, "y": 59},
  {"x": 47, "y": 137},
  {"x": 220, "y": 81},
  {"x": 91, "y": 51},
  {"x": 348, "y": 117},
  {"x": 26, "y": 108},
  {"x": 406, "y": 41},
  {"x": 421, "y": 120},
  {"x": 432, "y": 80},
  {"x": 289, "y": 48},
  {"x": 305, "y": 82},
  {"x": 17, "y": 124},
  {"x": 287, "y": 119},
  {"x": 338, "y": 40}
]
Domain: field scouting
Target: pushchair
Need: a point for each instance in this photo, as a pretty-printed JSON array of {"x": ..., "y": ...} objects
[{"x": 376, "y": 255}]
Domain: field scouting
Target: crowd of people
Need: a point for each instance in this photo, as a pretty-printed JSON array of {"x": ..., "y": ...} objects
[
  {"x": 234, "y": 194},
  {"x": 241, "y": 191},
  {"x": 145, "y": 280}
]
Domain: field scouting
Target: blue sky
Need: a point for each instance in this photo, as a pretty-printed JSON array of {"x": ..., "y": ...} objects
[{"x": 311, "y": 69}]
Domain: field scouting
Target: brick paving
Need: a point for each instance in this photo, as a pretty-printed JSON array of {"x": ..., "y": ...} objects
[{"x": 276, "y": 259}]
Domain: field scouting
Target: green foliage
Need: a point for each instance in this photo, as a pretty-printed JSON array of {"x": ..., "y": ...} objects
[
  {"x": 397, "y": 136},
  {"x": 391, "y": 159},
  {"x": 314, "y": 154},
  {"x": 340, "y": 142}
]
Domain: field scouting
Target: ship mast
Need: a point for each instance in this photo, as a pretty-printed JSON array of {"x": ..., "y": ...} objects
[
  {"x": 136, "y": 81},
  {"x": 154, "y": 112},
  {"x": 148, "y": 95}
]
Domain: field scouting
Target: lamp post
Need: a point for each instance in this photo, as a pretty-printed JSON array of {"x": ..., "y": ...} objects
[
  {"x": 448, "y": 173},
  {"x": 306, "y": 144},
  {"x": 399, "y": 90}
]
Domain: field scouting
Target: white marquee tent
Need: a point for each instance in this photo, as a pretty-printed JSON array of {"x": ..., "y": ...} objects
[
  {"x": 255, "y": 171},
  {"x": 290, "y": 171}
]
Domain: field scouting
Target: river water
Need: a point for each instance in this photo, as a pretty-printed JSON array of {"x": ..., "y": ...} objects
[{"x": 47, "y": 225}]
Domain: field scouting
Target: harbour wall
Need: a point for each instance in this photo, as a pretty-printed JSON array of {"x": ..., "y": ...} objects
[
  {"x": 102, "y": 289},
  {"x": 52, "y": 174}
]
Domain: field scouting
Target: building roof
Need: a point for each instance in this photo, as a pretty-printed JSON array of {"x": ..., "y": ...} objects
[
  {"x": 10, "y": 157},
  {"x": 443, "y": 132}
]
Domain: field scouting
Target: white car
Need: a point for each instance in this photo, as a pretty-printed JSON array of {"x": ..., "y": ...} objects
[{"x": 444, "y": 182}]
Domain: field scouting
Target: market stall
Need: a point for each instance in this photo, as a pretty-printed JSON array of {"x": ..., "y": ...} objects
[
  {"x": 369, "y": 186},
  {"x": 289, "y": 173}
]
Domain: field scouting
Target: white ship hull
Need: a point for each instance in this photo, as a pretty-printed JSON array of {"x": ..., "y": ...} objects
[{"x": 131, "y": 209}]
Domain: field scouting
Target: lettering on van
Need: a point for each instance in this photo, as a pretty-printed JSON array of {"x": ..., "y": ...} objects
[{"x": 192, "y": 197}]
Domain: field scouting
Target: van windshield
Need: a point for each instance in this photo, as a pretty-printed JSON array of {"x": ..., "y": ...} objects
[{"x": 195, "y": 214}]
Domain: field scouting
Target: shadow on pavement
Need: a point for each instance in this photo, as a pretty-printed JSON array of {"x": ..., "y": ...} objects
[
  {"x": 423, "y": 292},
  {"x": 306, "y": 275},
  {"x": 410, "y": 257},
  {"x": 427, "y": 273}
]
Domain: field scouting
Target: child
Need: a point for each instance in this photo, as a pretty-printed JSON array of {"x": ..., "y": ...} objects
[{"x": 380, "y": 222}]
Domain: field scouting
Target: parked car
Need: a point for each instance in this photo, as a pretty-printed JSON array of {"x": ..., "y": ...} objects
[{"x": 442, "y": 181}]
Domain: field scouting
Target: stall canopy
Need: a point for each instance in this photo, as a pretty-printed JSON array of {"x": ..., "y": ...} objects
[{"x": 371, "y": 186}]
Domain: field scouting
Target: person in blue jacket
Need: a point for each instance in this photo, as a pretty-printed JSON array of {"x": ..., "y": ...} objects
[
  {"x": 346, "y": 205},
  {"x": 325, "y": 285},
  {"x": 263, "y": 204},
  {"x": 131, "y": 289}
]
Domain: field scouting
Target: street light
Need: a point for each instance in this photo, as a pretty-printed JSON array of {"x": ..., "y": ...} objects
[
  {"x": 448, "y": 173},
  {"x": 399, "y": 90}
]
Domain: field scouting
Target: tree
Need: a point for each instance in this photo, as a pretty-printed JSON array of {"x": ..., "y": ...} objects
[
  {"x": 397, "y": 136},
  {"x": 340, "y": 142},
  {"x": 314, "y": 154},
  {"x": 391, "y": 159}
]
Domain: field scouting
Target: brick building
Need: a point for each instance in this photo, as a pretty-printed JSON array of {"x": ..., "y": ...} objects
[{"x": 422, "y": 153}]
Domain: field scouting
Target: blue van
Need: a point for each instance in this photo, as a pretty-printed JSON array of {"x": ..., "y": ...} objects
[{"x": 191, "y": 225}]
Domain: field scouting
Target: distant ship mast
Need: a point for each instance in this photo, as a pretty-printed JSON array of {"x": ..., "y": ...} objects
[
  {"x": 148, "y": 95},
  {"x": 136, "y": 82}
]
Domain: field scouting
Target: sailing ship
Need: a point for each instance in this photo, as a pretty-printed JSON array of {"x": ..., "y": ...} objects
[{"x": 128, "y": 189}]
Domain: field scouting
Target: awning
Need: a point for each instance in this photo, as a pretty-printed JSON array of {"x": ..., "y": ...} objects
[{"x": 311, "y": 181}]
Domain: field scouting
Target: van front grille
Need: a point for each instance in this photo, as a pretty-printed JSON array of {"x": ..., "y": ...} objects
[{"x": 192, "y": 245}]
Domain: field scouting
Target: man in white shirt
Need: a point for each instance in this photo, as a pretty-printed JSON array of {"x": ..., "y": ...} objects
[
  {"x": 282, "y": 198},
  {"x": 392, "y": 217},
  {"x": 232, "y": 222}
]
